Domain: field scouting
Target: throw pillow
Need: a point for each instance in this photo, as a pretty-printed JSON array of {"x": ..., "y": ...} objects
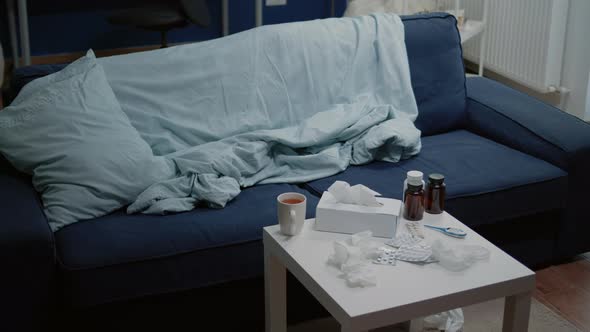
[{"x": 86, "y": 159}]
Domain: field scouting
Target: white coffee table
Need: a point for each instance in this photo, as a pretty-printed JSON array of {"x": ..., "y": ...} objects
[{"x": 403, "y": 292}]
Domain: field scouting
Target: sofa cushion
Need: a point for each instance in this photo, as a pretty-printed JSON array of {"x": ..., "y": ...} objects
[
  {"x": 123, "y": 256},
  {"x": 486, "y": 181},
  {"x": 436, "y": 67}
]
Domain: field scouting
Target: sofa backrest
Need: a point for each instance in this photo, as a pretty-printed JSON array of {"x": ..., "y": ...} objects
[
  {"x": 438, "y": 75},
  {"x": 436, "y": 67}
]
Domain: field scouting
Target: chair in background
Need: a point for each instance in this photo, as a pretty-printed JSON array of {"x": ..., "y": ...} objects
[
  {"x": 164, "y": 16},
  {"x": 1, "y": 75},
  {"x": 1, "y": 66}
]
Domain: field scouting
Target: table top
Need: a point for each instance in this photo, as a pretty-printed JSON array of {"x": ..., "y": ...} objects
[{"x": 402, "y": 291}]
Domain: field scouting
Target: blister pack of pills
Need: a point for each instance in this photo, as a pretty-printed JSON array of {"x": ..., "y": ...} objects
[
  {"x": 415, "y": 229},
  {"x": 415, "y": 253},
  {"x": 386, "y": 258},
  {"x": 404, "y": 239}
]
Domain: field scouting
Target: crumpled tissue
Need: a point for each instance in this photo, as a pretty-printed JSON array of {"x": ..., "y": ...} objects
[
  {"x": 357, "y": 194},
  {"x": 448, "y": 321},
  {"x": 353, "y": 257},
  {"x": 460, "y": 257}
]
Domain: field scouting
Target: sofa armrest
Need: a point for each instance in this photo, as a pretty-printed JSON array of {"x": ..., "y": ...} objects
[
  {"x": 27, "y": 255},
  {"x": 526, "y": 124}
]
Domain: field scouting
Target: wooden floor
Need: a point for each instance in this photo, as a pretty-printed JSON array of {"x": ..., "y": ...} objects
[{"x": 566, "y": 290}]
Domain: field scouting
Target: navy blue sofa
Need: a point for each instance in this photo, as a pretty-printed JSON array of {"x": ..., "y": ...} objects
[{"x": 517, "y": 170}]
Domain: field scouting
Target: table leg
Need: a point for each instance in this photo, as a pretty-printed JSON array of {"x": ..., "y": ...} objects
[
  {"x": 275, "y": 293},
  {"x": 411, "y": 326},
  {"x": 517, "y": 310}
]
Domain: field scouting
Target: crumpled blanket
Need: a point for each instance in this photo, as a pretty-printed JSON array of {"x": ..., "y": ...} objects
[{"x": 286, "y": 103}]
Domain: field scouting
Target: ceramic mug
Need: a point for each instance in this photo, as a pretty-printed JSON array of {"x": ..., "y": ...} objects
[{"x": 291, "y": 208}]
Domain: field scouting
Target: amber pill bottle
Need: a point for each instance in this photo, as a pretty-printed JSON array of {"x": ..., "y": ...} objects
[
  {"x": 414, "y": 202},
  {"x": 435, "y": 194}
]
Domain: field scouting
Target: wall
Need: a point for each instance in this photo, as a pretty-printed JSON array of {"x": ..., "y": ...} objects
[
  {"x": 63, "y": 26},
  {"x": 576, "y": 61}
]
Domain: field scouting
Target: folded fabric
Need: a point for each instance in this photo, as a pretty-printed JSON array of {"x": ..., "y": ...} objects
[
  {"x": 286, "y": 103},
  {"x": 68, "y": 131}
]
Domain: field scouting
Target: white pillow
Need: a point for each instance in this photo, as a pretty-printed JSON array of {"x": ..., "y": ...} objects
[{"x": 68, "y": 131}]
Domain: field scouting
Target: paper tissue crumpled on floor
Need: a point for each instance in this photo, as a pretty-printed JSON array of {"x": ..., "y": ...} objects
[{"x": 448, "y": 321}]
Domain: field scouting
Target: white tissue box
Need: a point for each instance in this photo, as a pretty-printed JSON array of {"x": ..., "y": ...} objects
[{"x": 332, "y": 216}]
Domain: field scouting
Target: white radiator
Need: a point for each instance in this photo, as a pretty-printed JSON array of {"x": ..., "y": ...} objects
[{"x": 525, "y": 40}]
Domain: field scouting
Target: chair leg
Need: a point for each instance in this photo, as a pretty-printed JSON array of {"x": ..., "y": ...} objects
[{"x": 164, "y": 39}]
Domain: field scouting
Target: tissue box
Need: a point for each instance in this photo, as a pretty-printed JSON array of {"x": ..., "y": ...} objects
[{"x": 332, "y": 216}]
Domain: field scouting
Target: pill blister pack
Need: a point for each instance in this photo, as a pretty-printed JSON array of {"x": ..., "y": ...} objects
[
  {"x": 415, "y": 253},
  {"x": 415, "y": 229},
  {"x": 427, "y": 261},
  {"x": 386, "y": 258},
  {"x": 404, "y": 239}
]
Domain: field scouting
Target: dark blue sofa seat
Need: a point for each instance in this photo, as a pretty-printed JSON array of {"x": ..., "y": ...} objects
[
  {"x": 27, "y": 255},
  {"x": 486, "y": 181},
  {"x": 122, "y": 256}
]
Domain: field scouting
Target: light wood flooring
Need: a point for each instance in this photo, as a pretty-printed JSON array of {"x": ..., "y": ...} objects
[{"x": 565, "y": 289}]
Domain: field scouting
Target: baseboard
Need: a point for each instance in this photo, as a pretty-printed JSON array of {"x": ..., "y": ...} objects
[
  {"x": 66, "y": 58},
  {"x": 69, "y": 57}
]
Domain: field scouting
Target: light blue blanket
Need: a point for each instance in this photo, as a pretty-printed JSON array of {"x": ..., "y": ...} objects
[{"x": 285, "y": 103}]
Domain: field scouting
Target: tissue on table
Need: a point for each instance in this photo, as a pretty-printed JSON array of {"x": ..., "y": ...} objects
[
  {"x": 352, "y": 258},
  {"x": 458, "y": 257},
  {"x": 346, "y": 209}
]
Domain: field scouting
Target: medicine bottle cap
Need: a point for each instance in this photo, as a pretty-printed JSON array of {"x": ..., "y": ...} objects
[
  {"x": 415, "y": 178},
  {"x": 415, "y": 187},
  {"x": 436, "y": 178}
]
